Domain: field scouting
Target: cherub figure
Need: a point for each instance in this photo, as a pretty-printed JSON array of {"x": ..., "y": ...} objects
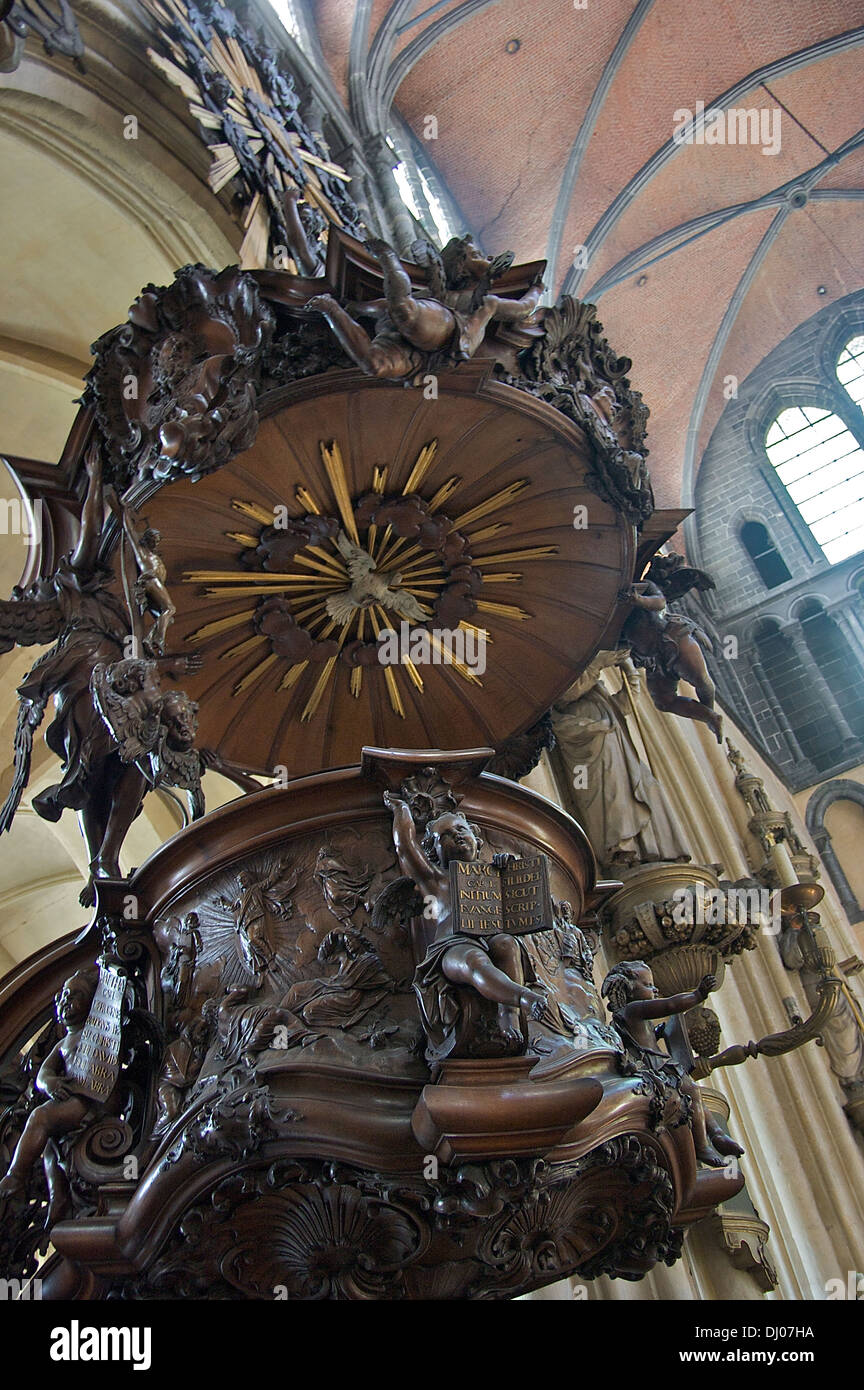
[
  {"x": 634, "y": 1000},
  {"x": 497, "y": 967},
  {"x": 415, "y": 335},
  {"x": 65, "y": 1107},
  {"x": 670, "y": 646}
]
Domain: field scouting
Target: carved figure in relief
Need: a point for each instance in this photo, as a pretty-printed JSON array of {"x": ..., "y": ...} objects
[
  {"x": 419, "y": 334},
  {"x": 344, "y": 886},
  {"x": 64, "y": 1108},
  {"x": 357, "y": 984},
  {"x": 90, "y": 626},
  {"x": 498, "y": 967},
  {"x": 304, "y": 225},
  {"x": 151, "y": 594},
  {"x": 247, "y": 1026},
  {"x": 184, "y": 1053},
  {"x": 634, "y": 1001},
  {"x": 671, "y": 647},
  {"x": 259, "y": 899}
]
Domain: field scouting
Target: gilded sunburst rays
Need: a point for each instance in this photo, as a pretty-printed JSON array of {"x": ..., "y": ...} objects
[{"x": 368, "y": 573}]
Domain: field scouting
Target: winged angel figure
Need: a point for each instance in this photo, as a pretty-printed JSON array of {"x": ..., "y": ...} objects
[
  {"x": 671, "y": 647},
  {"x": 88, "y": 626},
  {"x": 416, "y": 335},
  {"x": 368, "y": 588}
]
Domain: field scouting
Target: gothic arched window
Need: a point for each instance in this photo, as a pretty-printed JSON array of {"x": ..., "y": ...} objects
[
  {"x": 770, "y": 565},
  {"x": 821, "y": 464},
  {"x": 850, "y": 369}
]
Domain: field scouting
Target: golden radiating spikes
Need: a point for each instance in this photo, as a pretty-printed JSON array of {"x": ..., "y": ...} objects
[
  {"x": 413, "y": 673},
  {"x": 445, "y": 491},
  {"x": 424, "y": 593},
  {"x": 396, "y": 704},
  {"x": 254, "y": 674},
  {"x": 423, "y": 565},
  {"x": 329, "y": 168},
  {"x": 379, "y": 483},
  {"x": 261, "y": 577},
  {"x": 242, "y": 538},
  {"x": 320, "y": 686},
  {"x": 253, "y": 509},
  {"x": 247, "y": 590},
  {"x": 503, "y": 610},
  {"x": 425, "y": 459},
  {"x": 385, "y": 540},
  {"x": 489, "y": 531},
  {"x": 386, "y": 559},
  {"x": 292, "y": 675},
  {"x": 178, "y": 78},
  {"x": 531, "y": 552},
  {"x": 302, "y": 613},
  {"x": 331, "y": 564},
  {"x": 324, "y": 679},
  {"x": 202, "y": 115},
  {"x": 331, "y": 456},
  {"x": 221, "y": 625},
  {"x": 355, "y": 685},
  {"x": 243, "y": 647},
  {"x": 305, "y": 498},
  {"x": 505, "y": 578},
  {"x": 500, "y": 499},
  {"x": 481, "y": 632},
  {"x": 450, "y": 660},
  {"x": 409, "y": 580},
  {"x": 248, "y": 73}
]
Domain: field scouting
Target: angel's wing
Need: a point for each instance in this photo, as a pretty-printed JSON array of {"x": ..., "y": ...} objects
[
  {"x": 135, "y": 736},
  {"x": 682, "y": 580},
  {"x": 405, "y": 604},
  {"x": 422, "y": 252},
  {"x": 27, "y": 621},
  {"x": 30, "y": 712},
  {"x": 358, "y": 561},
  {"x": 340, "y": 606},
  {"x": 398, "y": 902}
]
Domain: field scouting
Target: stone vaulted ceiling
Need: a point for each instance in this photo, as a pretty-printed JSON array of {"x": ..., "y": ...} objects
[{"x": 555, "y": 128}]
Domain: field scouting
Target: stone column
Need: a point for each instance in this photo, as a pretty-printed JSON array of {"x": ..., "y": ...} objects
[
  {"x": 848, "y": 623},
  {"x": 812, "y": 673},
  {"x": 825, "y": 846},
  {"x": 786, "y": 731},
  {"x": 382, "y": 159}
]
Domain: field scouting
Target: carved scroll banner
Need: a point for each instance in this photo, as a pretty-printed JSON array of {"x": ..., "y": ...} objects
[
  {"x": 95, "y": 1065},
  {"x": 487, "y": 899}
]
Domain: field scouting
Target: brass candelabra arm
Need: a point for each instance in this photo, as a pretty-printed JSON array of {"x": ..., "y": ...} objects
[{"x": 776, "y": 1044}]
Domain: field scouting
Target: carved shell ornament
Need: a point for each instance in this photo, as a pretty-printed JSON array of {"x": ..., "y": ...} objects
[{"x": 326, "y": 587}]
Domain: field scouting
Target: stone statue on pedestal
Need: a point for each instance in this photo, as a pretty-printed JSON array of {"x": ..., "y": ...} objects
[{"x": 617, "y": 800}]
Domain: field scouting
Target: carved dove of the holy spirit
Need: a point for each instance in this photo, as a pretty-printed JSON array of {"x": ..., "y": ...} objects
[{"x": 368, "y": 588}]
